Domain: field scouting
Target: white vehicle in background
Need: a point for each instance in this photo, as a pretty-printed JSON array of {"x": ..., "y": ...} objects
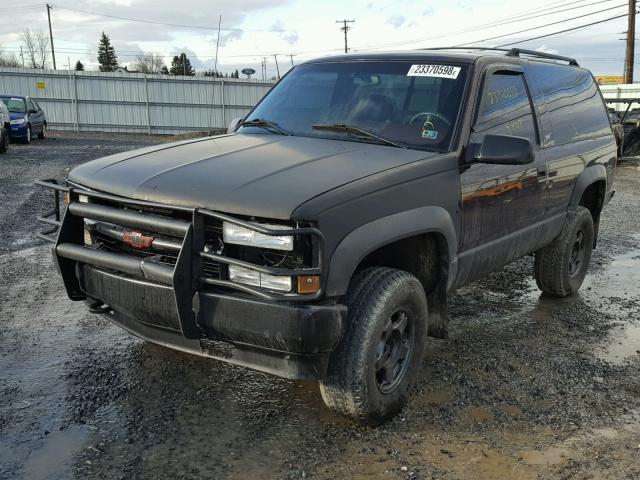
[{"x": 4, "y": 128}]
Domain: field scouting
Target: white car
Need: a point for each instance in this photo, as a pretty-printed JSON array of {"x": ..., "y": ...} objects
[{"x": 4, "y": 128}]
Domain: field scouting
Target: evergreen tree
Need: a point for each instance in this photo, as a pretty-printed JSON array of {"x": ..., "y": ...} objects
[
  {"x": 107, "y": 57},
  {"x": 236, "y": 74},
  {"x": 79, "y": 66},
  {"x": 164, "y": 70},
  {"x": 181, "y": 65}
]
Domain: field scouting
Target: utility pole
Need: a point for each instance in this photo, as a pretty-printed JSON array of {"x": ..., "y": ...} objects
[
  {"x": 275, "y": 57},
  {"x": 22, "y": 56},
  {"x": 215, "y": 64},
  {"x": 264, "y": 69},
  {"x": 291, "y": 55},
  {"x": 184, "y": 64},
  {"x": 631, "y": 40},
  {"x": 53, "y": 52},
  {"x": 345, "y": 28}
]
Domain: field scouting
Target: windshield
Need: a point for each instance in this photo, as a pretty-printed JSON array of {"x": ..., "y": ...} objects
[
  {"x": 415, "y": 106},
  {"x": 15, "y": 105}
]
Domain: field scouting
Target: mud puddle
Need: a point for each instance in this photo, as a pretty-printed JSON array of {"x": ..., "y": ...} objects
[{"x": 525, "y": 387}]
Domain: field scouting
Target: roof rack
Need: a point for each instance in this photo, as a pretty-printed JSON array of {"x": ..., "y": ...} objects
[{"x": 515, "y": 52}]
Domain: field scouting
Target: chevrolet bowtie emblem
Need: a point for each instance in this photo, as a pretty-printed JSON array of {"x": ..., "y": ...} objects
[{"x": 137, "y": 239}]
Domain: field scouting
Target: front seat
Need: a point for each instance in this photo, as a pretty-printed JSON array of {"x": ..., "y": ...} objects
[{"x": 372, "y": 109}]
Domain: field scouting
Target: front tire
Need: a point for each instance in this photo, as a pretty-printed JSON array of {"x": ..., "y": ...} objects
[
  {"x": 27, "y": 139},
  {"x": 43, "y": 134},
  {"x": 561, "y": 266},
  {"x": 376, "y": 362}
]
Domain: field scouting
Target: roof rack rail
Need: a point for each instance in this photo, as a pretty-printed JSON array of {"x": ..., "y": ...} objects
[{"x": 515, "y": 52}]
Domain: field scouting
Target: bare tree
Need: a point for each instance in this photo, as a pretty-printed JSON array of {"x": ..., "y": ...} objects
[
  {"x": 37, "y": 46},
  {"x": 148, "y": 62},
  {"x": 8, "y": 59}
]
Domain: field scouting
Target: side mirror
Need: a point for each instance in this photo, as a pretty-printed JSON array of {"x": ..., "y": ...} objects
[
  {"x": 233, "y": 125},
  {"x": 503, "y": 150},
  {"x": 33, "y": 111}
]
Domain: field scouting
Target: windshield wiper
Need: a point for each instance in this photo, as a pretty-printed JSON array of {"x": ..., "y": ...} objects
[
  {"x": 352, "y": 129},
  {"x": 266, "y": 124}
]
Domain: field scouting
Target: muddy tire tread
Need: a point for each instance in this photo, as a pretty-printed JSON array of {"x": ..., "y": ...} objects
[
  {"x": 344, "y": 390},
  {"x": 551, "y": 266}
]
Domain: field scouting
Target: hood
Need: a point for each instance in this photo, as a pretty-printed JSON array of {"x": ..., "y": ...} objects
[
  {"x": 16, "y": 115},
  {"x": 262, "y": 175}
]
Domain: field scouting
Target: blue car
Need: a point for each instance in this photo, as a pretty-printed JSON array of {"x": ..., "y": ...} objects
[{"x": 27, "y": 118}]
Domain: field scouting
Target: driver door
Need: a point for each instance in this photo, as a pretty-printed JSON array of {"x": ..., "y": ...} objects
[
  {"x": 502, "y": 205},
  {"x": 35, "y": 117}
]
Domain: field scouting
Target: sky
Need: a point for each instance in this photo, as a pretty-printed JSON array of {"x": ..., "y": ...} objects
[{"x": 298, "y": 30}]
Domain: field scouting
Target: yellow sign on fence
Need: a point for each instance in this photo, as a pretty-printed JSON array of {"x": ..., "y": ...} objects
[
  {"x": 40, "y": 85},
  {"x": 609, "y": 79}
]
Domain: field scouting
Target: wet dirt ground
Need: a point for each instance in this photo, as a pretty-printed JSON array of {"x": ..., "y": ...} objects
[{"x": 526, "y": 387}]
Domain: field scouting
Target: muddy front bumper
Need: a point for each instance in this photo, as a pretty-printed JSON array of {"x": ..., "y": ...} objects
[
  {"x": 289, "y": 340},
  {"x": 184, "y": 303}
]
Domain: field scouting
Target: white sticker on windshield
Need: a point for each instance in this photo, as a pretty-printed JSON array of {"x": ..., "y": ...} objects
[{"x": 439, "y": 71}]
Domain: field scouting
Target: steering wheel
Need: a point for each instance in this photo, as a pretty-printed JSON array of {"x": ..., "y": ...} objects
[{"x": 429, "y": 116}]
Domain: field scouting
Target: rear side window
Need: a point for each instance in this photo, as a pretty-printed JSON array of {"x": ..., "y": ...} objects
[
  {"x": 505, "y": 108},
  {"x": 573, "y": 101}
]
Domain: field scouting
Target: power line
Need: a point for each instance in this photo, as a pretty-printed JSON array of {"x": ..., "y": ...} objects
[
  {"x": 531, "y": 17},
  {"x": 31, "y": 5},
  {"x": 179, "y": 25},
  {"x": 484, "y": 26},
  {"x": 540, "y": 26},
  {"x": 562, "y": 31}
]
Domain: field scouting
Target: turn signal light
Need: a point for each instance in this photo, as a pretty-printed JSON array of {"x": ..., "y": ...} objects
[{"x": 308, "y": 284}]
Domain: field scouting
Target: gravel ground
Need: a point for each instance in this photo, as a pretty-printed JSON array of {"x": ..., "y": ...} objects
[{"x": 526, "y": 387}]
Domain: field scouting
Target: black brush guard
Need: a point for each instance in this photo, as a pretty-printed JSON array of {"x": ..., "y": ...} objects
[{"x": 185, "y": 278}]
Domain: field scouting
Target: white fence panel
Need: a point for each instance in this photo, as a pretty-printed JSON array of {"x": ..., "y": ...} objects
[
  {"x": 133, "y": 102},
  {"x": 611, "y": 92}
]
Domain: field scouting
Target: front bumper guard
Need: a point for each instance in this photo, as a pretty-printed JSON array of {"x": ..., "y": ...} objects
[{"x": 185, "y": 278}]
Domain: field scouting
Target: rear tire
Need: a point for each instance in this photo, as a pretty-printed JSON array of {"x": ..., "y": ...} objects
[
  {"x": 561, "y": 266},
  {"x": 375, "y": 363}
]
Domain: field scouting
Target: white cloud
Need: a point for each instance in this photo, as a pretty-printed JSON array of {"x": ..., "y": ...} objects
[
  {"x": 396, "y": 21},
  {"x": 253, "y": 29}
]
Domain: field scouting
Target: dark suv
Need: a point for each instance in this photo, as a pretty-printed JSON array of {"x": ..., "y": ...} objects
[{"x": 319, "y": 239}]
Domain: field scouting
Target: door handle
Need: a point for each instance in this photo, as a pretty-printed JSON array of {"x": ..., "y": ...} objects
[{"x": 542, "y": 172}]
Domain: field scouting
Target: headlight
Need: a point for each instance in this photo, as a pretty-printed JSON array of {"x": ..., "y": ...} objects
[
  {"x": 17, "y": 121},
  {"x": 257, "y": 279},
  {"x": 238, "y": 235}
]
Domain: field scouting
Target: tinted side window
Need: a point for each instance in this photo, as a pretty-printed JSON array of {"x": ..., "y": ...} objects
[
  {"x": 505, "y": 108},
  {"x": 573, "y": 102}
]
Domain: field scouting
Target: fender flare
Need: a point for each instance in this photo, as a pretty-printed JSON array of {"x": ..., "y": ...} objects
[
  {"x": 371, "y": 236},
  {"x": 589, "y": 176}
]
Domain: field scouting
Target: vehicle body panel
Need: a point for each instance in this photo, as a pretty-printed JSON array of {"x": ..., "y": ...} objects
[{"x": 262, "y": 175}]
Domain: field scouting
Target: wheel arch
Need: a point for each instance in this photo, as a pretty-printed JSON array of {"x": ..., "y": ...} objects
[
  {"x": 590, "y": 191},
  {"x": 594, "y": 175},
  {"x": 382, "y": 233}
]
